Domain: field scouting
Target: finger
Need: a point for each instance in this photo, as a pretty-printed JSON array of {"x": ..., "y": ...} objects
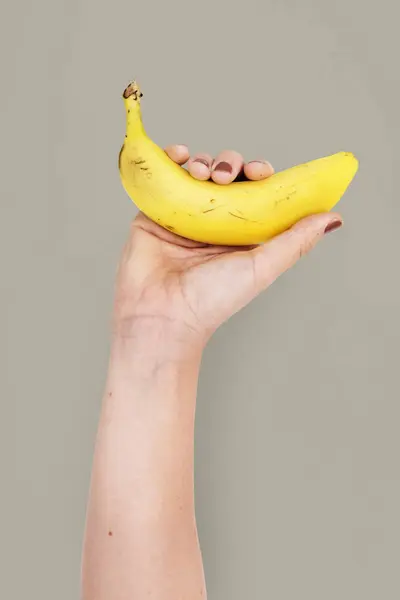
[
  {"x": 199, "y": 166},
  {"x": 226, "y": 167},
  {"x": 258, "y": 169},
  {"x": 179, "y": 153},
  {"x": 282, "y": 252}
]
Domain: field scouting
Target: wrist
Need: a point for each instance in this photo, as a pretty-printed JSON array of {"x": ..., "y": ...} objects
[
  {"x": 152, "y": 360},
  {"x": 154, "y": 339}
]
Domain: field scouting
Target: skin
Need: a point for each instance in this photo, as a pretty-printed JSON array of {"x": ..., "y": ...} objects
[{"x": 171, "y": 295}]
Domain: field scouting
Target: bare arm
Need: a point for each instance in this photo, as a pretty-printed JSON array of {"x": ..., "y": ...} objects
[
  {"x": 141, "y": 532},
  {"x": 141, "y": 540}
]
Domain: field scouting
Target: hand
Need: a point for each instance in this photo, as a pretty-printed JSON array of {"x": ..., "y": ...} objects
[{"x": 191, "y": 287}]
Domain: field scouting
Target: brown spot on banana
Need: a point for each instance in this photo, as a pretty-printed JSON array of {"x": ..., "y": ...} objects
[
  {"x": 241, "y": 217},
  {"x": 237, "y": 216},
  {"x": 212, "y": 201},
  {"x": 119, "y": 156}
]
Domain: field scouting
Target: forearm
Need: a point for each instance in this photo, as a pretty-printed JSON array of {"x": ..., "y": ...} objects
[{"x": 141, "y": 539}]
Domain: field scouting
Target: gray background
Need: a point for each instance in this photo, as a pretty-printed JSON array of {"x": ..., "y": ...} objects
[{"x": 297, "y": 448}]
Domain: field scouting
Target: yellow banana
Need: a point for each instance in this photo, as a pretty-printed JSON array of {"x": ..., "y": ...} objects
[{"x": 240, "y": 213}]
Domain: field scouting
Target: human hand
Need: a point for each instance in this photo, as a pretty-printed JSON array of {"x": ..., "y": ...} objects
[{"x": 192, "y": 288}]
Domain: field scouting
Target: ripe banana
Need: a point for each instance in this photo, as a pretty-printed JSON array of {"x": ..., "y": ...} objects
[{"x": 237, "y": 214}]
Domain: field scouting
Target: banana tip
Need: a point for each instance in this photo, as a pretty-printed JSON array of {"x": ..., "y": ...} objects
[
  {"x": 351, "y": 156},
  {"x": 351, "y": 160}
]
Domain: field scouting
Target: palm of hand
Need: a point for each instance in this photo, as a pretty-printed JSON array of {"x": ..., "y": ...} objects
[{"x": 165, "y": 276}]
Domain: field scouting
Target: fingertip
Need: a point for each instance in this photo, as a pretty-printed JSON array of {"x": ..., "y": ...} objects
[
  {"x": 179, "y": 153},
  {"x": 199, "y": 171},
  {"x": 226, "y": 167},
  {"x": 318, "y": 223},
  {"x": 223, "y": 174},
  {"x": 257, "y": 170},
  {"x": 200, "y": 166}
]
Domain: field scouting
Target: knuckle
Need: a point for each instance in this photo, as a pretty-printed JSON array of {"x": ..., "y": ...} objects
[{"x": 305, "y": 246}]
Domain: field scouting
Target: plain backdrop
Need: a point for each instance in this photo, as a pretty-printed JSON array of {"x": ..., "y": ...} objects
[{"x": 297, "y": 435}]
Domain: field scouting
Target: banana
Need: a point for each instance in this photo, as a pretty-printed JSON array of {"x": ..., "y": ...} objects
[{"x": 238, "y": 214}]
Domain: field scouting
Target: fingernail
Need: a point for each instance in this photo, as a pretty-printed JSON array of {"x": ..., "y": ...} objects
[
  {"x": 262, "y": 162},
  {"x": 333, "y": 225},
  {"x": 223, "y": 167},
  {"x": 202, "y": 161}
]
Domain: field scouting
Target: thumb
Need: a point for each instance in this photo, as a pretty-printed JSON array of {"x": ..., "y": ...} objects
[{"x": 282, "y": 252}]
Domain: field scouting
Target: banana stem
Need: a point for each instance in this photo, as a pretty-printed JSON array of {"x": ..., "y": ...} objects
[{"x": 132, "y": 96}]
